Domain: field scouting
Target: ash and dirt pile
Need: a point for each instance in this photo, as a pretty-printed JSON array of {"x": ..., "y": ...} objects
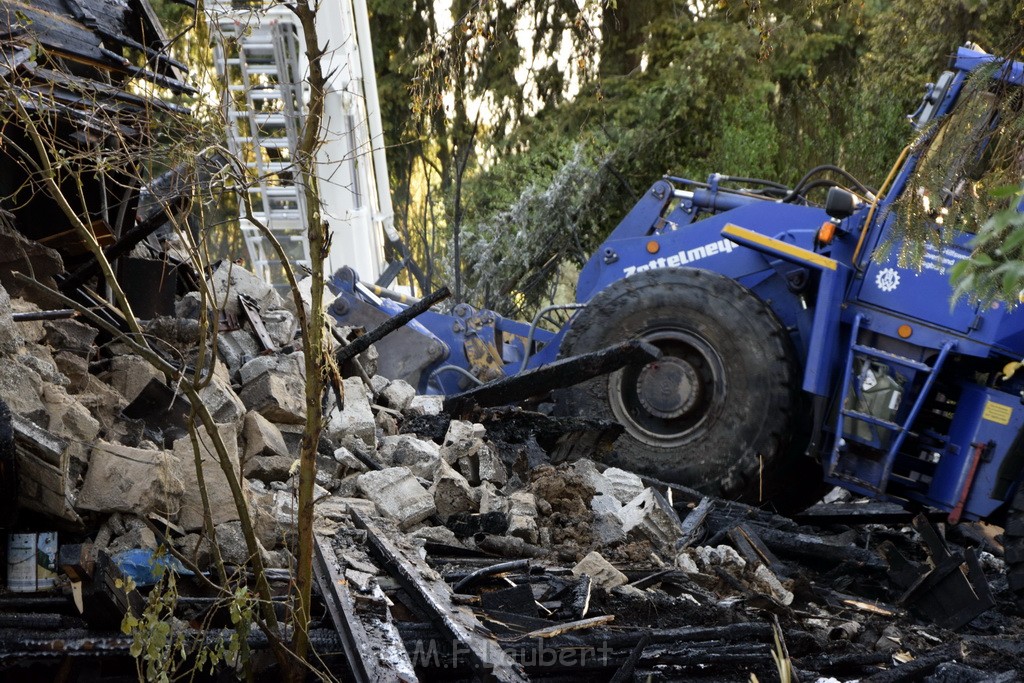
[{"x": 659, "y": 580}]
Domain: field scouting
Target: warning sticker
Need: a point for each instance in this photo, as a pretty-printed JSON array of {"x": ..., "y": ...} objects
[{"x": 997, "y": 412}]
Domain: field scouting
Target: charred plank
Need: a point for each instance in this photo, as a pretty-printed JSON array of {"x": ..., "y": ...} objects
[{"x": 562, "y": 373}]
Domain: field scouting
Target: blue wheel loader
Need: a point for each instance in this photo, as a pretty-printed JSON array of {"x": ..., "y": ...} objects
[{"x": 800, "y": 344}]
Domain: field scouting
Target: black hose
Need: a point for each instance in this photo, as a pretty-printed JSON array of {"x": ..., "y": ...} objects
[{"x": 799, "y": 188}]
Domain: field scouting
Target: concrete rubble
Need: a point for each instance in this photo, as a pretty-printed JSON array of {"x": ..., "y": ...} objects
[{"x": 604, "y": 547}]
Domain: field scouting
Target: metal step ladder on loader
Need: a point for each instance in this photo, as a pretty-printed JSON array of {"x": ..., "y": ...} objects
[
  {"x": 868, "y": 474},
  {"x": 951, "y": 589}
]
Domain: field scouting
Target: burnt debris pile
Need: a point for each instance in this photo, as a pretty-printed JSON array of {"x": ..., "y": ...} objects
[{"x": 446, "y": 546}]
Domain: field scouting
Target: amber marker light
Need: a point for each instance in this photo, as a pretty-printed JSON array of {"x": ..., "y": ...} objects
[
  {"x": 827, "y": 232},
  {"x": 904, "y": 331},
  {"x": 653, "y": 247}
]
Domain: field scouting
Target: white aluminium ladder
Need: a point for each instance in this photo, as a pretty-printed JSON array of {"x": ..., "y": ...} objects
[{"x": 259, "y": 54}]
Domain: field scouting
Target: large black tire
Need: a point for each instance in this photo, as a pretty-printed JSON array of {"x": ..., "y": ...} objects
[{"x": 715, "y": 412}]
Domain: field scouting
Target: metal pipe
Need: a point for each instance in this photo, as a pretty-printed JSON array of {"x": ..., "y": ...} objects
[{"x": 57, "y": 314}]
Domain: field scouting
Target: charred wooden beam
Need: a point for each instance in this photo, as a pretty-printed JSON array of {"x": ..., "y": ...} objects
[
  {"x": 875, "y": 512},
  {"x": 122, "y": 246},
  {"x": 362, "y": 651},
  {"x": 916, "y": 669},
  {"x": 561, "y": 373},
  {"x": 812, "y": 547},
  {"x": 430, "y": 591},
  {"x": 390, "y": 325}
]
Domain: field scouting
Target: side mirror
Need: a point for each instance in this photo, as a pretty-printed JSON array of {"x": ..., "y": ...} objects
[{"x": 841, "y": 203}]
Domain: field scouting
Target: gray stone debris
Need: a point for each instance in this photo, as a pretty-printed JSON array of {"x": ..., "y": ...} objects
[
  {"x": 222, "y": 402},
  {"x": 130, "y": 374},
  {"x": 71, "y": 336},
  {"x": 279, "y": 398},
  {"x": 356, "y": 418},
  {"x": 229, "y": 280},
  {"x": 600, "y": 571},
  {"x": 419, "y": 455},
  {"x": 426, "y": 405},
  {"x": 398, "y": 394},
  {"x": 522, "y": 516},
  {"x": 398, "y": 495},
  {"x": 262, "y": 437},
  {"x": 131, "y": 480},
  {"x": 222, "y": 503},
  {"x": 649, "y": 515},
  {"x": 452, "y": 493}
]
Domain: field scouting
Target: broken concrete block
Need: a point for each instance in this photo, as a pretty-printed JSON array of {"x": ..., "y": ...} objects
[
  {"x": 425, "y": 405},
  {"x": 222, "y": 503},
  {"x": 685, "y": 562},
  {"x": 236, "y": 348},
  {"x": 607, "y": 525},
  {"x": 625, "y": 486},
  {"x": 20, "y": 254},
  {"x": 21, "y": 388},
  {"x": 339, "y": 507},
  {"x": 522, "y": 516},
  {"x": 492, "y": 501},
  {"x": 650, "y": 515},
  {"x": 129, "y": 375},
  {"x": 196, "y": 548},
  {"x": 280, "y": 325},
  {"x": 133, "y": 480},
  {"x": 262, "y": 437},
  {"x": 26, "y": 331},
  {"x": 278, "y": 397},
  {"x": 71, "y": 336},
  {"x": 228, "y": 280},
  {"x": 398, "y": 394},
  {"x": 437, "y": 534},
  {"x": 292, "y": 364},
  {"x": 600, "y": 571},
  {"x": 10, "y": 337},
  {"x": 489, "y": 466},
  {"x": 721, "y": 556},
  {"x": 268, "y": 468},
  {"x": 398, "y": 495},
  {"x": 379, "y": 383},
  {"x": 356, "y": 418},
  {"x": 452, "y": 493},
  {"x": 75, "y": 368},
  {"x": 222, "y": 402},
  {"x": 419, "y": 455},
  {"x": 104, "y": 403},
  {"x": 461, "y": 441},
  {"x": 386, "y": 422},
  {"x": 233, "y": 548},
  {"x": 766, "y": 580},
  {"x": 41, "y": 361},
  {"x": 347, "y": 463}
]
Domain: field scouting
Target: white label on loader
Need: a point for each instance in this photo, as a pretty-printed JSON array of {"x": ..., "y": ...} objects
[{"x": 684, "y": 257}]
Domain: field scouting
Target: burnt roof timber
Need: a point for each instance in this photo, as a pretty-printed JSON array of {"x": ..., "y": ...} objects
[{"x": 78, "y": 29}]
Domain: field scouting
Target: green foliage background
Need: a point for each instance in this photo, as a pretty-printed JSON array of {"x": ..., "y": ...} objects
[
  {"x": 766, "y": 89},
  {"x": 520, "y": 132}
]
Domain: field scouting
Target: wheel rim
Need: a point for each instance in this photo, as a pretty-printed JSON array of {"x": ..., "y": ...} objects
[{"x": 669, "y": 401}]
